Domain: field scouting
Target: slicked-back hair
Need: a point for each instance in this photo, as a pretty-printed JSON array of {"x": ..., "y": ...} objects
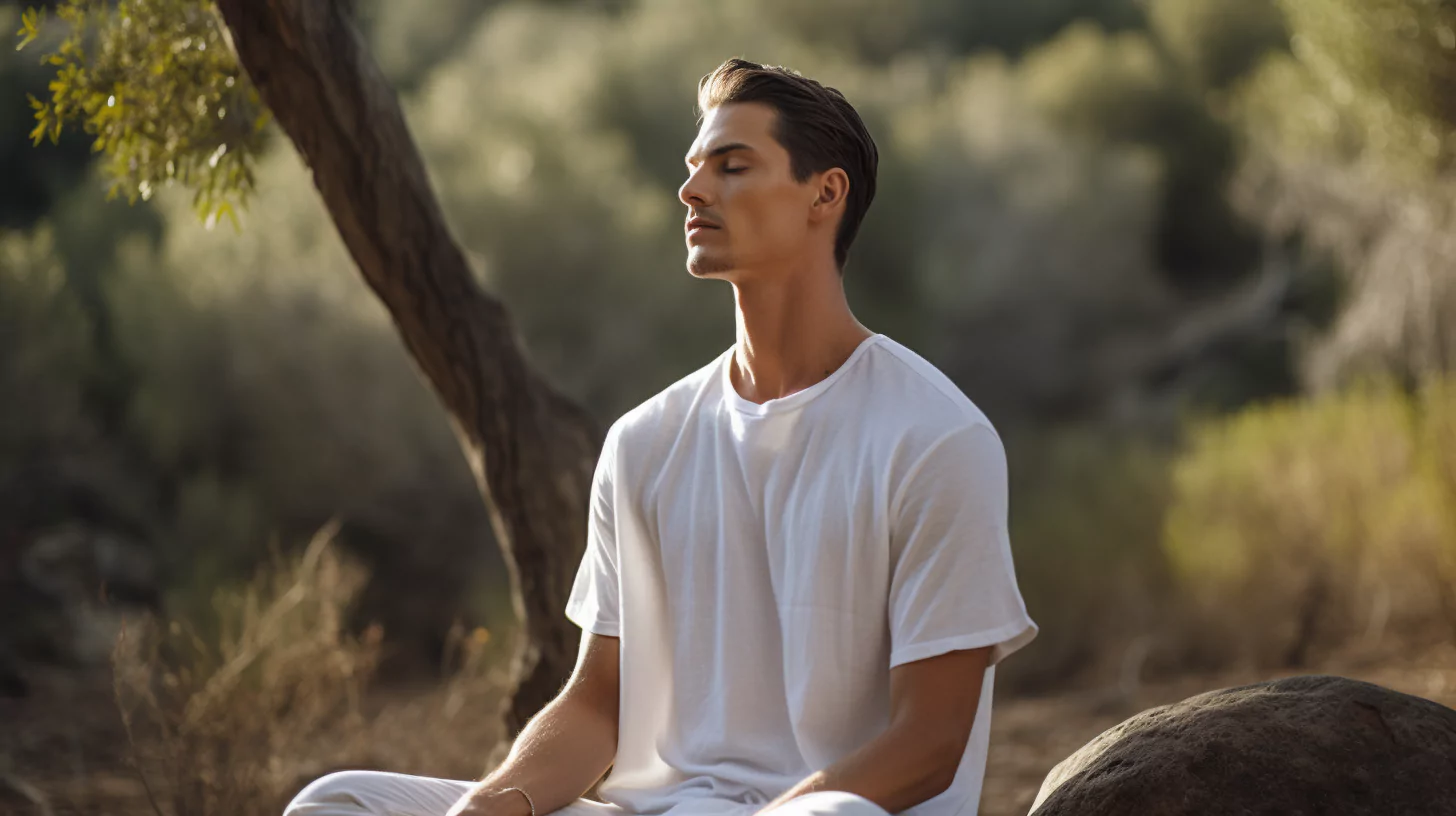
[{"x": 815, "y": 124}]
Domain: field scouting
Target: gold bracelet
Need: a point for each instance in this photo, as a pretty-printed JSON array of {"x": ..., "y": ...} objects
[{"x": 529, "y": 801}]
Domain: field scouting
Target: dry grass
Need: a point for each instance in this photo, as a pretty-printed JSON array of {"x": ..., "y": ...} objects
[
  {"x": 218, "y": 724},
  {"x": 236, "y": 723}
]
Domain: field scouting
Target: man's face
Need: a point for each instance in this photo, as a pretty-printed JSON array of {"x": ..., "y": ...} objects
[{"x": 739, "y": 183}]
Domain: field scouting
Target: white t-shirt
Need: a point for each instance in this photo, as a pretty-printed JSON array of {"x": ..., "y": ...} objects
[{"x": 766, "y": 565}]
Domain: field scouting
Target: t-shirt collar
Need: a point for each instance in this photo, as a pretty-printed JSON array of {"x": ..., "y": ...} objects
[{"x": 786, "y": 403}]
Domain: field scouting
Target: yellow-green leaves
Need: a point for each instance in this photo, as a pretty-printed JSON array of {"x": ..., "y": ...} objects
[
  {"x": 43, "y": 117},
  {"x": 156, "y": 85},
  {"x": 29, "y": 27}
]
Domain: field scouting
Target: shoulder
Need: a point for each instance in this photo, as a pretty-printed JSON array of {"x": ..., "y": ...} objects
[
  {"x": 930, "y": 431},
  {"x": 919, "y": 397}
]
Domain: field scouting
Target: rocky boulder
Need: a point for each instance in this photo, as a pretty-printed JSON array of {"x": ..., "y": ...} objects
[{"x": 1301, "y": 745}]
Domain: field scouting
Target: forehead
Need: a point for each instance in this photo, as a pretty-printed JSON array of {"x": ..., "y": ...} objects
[{"x": 749, "y": 123}]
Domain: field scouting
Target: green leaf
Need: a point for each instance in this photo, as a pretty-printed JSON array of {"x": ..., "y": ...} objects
[
  {"x": 29, "y": 27},
  {"x": 226, "y": 208},
  {"x": 183, "y": 93}
]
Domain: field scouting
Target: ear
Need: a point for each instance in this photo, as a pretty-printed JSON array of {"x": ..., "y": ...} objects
[{"x": 831, "y": 190}]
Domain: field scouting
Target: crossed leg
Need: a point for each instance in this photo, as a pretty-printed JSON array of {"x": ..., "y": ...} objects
[{"x": 379, "y": 793}]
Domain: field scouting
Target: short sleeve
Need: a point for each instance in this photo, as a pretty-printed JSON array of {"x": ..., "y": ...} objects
[
  {"x": 593, "y": 604},
  {"x": 953, "y": 584}
]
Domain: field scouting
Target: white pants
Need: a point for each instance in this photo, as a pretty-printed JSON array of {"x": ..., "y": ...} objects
[{"x": 378, "y": 793}]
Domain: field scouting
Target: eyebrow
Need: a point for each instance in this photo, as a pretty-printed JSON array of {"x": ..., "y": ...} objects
[{"x": 720, "y": 150}]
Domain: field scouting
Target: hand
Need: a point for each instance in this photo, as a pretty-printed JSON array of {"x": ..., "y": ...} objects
[{"x": 481, "y": 802}]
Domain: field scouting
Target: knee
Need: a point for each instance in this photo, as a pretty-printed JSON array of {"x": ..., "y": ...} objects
[
  {"x": 829, "y": 803},
  {"x": 337, "y": 794}
]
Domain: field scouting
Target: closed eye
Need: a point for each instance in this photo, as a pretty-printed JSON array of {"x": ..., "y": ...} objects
[{"x": 734, "y": 169}]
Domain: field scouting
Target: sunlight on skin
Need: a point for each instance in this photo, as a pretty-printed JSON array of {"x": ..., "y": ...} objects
[
  {"x": 765, "y": 225},
  {"x": 773, "y": 238}
]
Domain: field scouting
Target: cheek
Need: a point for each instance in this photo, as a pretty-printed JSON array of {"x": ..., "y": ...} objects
[{"x": 769, "y": 217}]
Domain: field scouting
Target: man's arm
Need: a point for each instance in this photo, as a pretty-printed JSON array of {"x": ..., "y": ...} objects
[
  {"x": 564, "y": 749},
  {"x": 932, "y": 708}
]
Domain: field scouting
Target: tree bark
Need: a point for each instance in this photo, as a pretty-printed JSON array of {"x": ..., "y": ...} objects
[{"x": 531, "y": 449}]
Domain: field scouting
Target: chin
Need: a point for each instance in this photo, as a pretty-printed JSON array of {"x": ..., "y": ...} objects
[{"x": 702, "y": 265}]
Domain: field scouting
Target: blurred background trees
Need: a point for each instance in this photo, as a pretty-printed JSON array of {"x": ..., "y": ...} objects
[{"x": 1162, "y": 243}]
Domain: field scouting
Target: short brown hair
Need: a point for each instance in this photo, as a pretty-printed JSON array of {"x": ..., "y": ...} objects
[{"x": 815, "y": 124}]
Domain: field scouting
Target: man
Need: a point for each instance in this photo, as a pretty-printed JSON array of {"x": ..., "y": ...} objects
[{"x": 798, "y": 579}]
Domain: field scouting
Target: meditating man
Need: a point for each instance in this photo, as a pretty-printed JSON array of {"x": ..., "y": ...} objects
[{"x": 798, "y": 579}]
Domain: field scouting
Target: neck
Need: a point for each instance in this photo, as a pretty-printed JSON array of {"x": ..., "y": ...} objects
[{"x": 792, "y": 332}]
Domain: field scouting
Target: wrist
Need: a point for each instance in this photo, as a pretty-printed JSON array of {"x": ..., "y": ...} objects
[{"x": 507, "y": 801}]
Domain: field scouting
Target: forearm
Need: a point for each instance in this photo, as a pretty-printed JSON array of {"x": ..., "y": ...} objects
[
  {"x": 900, "y": 768},
  {"x": 556, "y": 758}
]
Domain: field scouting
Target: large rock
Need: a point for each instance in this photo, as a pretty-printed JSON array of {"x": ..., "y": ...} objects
[{"x": 1302, "y": 745}]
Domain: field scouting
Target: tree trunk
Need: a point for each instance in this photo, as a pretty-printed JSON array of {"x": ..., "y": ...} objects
[{"x": 531, "y": 449}]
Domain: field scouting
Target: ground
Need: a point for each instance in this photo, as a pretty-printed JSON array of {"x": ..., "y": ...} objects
[{"x": 64, "y": 743}]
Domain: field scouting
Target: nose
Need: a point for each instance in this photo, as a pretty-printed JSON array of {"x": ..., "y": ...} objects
[{"x": 693, "y": 192}]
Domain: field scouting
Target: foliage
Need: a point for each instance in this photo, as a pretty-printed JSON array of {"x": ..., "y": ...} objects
[
  {"x": 1125, "y": 89},
  {"x": 1218, "y": 41},
  {"x": 156, "y": 84},
  {"x": 233, "y": 712},
  {"x": 34, "y": 179},
  {"x": 1049, "y": 218},
  {"x": 881, "y": 32},
  {"x": 269, "y": 393},
  {"x": 1326, "y": 518},
  {"x": 410, "y": 42},
  {"x": 1087, "y": 512},
  {"x": 990, "y": 179},
  {"x": 1014, "y": 28},
  {"x": 590, "y": 109},
  {"x": 1374, "y": 77},
  {"x": 1351, "y": 140},
  {"x": 45, "y": 352},
  {"x": 220, "y": 719}
]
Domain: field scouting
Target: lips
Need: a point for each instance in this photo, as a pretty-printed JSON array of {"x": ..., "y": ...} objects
[{"x": 700, "y": 223}]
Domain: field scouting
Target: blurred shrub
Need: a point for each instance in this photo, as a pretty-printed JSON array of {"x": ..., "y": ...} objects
[
  {"x": 409, "y": 40},
  {"x": 453, "y": 727},
  {"x": 1438, "y": 437},
  {"x": 45, "y": 352},
  {"x": 991, "y": 179},
  {"x": 1351, "y": 139},
  {"x": 1299, "y": 525},
  {"x": 270, "y": 393},
  {"x": 878, "y": 30},
  {"x": 1124, "y": 89},
  {"x": 1087, "y": 511},
  {"x": 221, "y": 717},
  {"x": 234, "y": 712},
  {"x": 1369, "y": 77},
  {"x": 563, "y": 187},
  {"x": 1218, "y": 41}
]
